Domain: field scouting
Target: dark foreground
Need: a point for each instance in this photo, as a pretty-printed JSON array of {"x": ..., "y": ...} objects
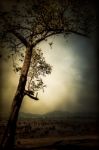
[
  {"x": 55, "y": 134},
  {"x": 73, "y": 143}
]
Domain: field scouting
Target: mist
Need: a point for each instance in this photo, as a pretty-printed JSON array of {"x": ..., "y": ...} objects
[{"x": 72, "y": 85}]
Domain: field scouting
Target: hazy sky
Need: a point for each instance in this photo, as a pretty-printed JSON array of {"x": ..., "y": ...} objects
[{"x": 72, "y": 85}]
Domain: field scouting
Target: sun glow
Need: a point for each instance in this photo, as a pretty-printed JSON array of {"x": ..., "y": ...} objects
[
  {"x": 62, "y": 85},
  {"x": 61, "y": 82}
]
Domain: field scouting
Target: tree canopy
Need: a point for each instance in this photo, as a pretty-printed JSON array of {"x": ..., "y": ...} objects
[
  {"x": 27, "y": 23},
  {"x": 32, "y": 21},
  {"x": 24, "y": 24}
]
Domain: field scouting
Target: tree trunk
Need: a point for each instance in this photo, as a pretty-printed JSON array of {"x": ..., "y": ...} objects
[{"x": 9, "y": 136}]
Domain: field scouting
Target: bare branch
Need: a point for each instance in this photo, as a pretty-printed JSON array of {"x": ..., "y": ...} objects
[
  {"x": 76, "y": 32},
  {"x": 20, "y": 37},
  {"x": 58, "y": 31},
  {"x": 45, "y": 36},
  {"x": 28, "y": 93}
]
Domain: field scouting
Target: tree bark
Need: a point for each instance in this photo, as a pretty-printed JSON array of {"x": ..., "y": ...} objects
[{"x": 9, "y": 136}]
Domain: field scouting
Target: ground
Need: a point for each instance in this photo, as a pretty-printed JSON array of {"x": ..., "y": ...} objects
[{"x": 55, "y": 134}]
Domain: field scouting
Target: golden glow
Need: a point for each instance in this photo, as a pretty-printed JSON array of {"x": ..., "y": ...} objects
[{"x": 62, "y": 85}]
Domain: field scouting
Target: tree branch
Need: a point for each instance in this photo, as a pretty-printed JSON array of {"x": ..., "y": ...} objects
[
  {"x": 20, "y": 37},
  {"x": 54, "y": 31},
  {"x": 68, "y": 31},
  {"x": 44, "y": 37},
  {"x": 29, "y": 93},
  {"x": 58, "y": 31},
  {"x": 76, "y": 32},
  {"x": 12, "y": 30}
]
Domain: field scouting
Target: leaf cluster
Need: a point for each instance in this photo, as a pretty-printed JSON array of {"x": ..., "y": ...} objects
[{"x": 38, "y": 68}]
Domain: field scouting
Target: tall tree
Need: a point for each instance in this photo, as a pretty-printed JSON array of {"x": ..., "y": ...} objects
[{"x": 26, "y": 24}]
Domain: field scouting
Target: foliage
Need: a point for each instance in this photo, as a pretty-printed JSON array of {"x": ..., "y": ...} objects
[
  {"x": 27, "y": 23},
  {"x": 24, "y": 24},
  {"x": 38, "y": 68}
]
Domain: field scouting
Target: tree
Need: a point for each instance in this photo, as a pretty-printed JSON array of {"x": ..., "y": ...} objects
[{"x": 28, "y": 23}]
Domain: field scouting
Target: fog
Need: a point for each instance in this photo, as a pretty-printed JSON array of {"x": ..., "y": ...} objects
[{"x": 72, "y": 85}]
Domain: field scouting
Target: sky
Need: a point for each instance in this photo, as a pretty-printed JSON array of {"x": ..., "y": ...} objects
[{"x": 72, "y": 85}]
